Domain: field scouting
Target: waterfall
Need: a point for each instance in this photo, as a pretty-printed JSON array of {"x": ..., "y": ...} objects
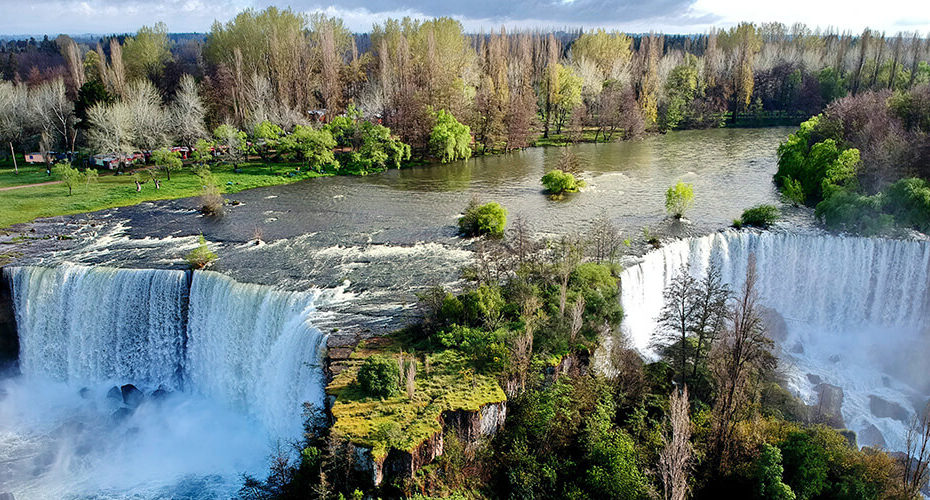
[
  {"x": 857, "y": 310},
  {"x": 255, "y": 348},
  {"x": 238, "y": 361},
  {"x": 89, "y": 325}
]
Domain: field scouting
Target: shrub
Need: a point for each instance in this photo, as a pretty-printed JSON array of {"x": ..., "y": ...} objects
[
  {"x": 201, "y": 256},
  {"x": 909, "y": 201},
  {"x": 211, "y": 202},
  {"x": 846, "y": 211},
  {"x": 479, "y": 220},
  {"x": 760, "y": 216},
  {"x": 69, "y": 175},
  {"x": 558, "y": 182},
  {"x": 379, "y": 377},
  {"x": 678, "y": 199}
]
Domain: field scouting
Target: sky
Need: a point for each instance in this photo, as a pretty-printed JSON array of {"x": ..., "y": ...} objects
[{"x": 51, "y": 17}]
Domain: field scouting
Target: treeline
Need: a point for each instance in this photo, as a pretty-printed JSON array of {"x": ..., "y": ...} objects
[
  {"x": 864, "y": 163},
  {"x": 709, "y": 419},
  {"x": 291, "y": 69}
]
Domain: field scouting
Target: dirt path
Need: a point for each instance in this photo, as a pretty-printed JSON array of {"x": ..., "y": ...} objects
[{"x": 49, "y": 183}]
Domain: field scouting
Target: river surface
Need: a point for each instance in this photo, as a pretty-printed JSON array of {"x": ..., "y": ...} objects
[{"x": 390, "y": 235}]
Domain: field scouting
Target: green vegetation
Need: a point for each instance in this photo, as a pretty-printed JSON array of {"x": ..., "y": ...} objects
[
  {"x": 678, "y": 199},
  {"x": 857, "y": 172},
  {"x": 167, "y": 160},
  {"x": 68, "y": 175},
  {"x": 201, "y": 256},
  {"x": 28, "y": 203},
  {"x": 558, "y": 183},
  {"x": 488, "y": 219},
  {"x": 449, "y": 139},
  {"x": 761, "y": 216},
  {"x": 379, "y": 377}
]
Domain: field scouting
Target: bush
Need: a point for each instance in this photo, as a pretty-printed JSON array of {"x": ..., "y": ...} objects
[
  {"x": 760, "y": 216},
  {"x": 678, "y": 199},
  {"x": 211, "y": 201},
  {"x": 847, "y": 211},
  {"x": 379, "y": 377},
  {"x": 479, "y": 220},
  {"x": 201, "y": 256},
  {"x": 909, "y": 201},
  {"x": 558, "y": 182}
]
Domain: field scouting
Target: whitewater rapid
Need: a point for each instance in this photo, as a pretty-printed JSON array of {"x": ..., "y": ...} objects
[
  {"x": 856, "y": 311},
  {"x": 237, "y": 360}
]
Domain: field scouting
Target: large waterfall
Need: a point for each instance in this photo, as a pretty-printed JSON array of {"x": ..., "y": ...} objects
[
  {"x": 857, "y": 312},
  {"x": 237, "y": 360}
]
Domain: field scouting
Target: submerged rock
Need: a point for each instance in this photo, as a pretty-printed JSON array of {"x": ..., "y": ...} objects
[
  {"x": 84, "y": 393},
  {"x": 131, "y": 396},
  {"x": 814, "y": 379},
  {"x": 160, "y": 394},
  {"x": 882, "y": 408},
  {"x": 871, "y": 436},
  {"x": 120, "y": 414},
  {"x": 114, "y": 395}
]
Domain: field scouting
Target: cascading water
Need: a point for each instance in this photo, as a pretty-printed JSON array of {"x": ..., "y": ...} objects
[
  {"x": 237, "y": 361},
  {"x": 856, "y": 311}
]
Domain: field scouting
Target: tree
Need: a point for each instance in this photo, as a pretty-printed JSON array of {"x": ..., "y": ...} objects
[
  {"x": 916, "y": 468},
  {"x": 675, "y": 319},
  {"x": 91, "y": 93},
  {"x": 201, "y": 256},
  {"x": 233, "y": 140},
  {"x": 741, "y": 354},
  {"x": 678, "y": 199},
  {"x": 313, "y": 146},
  {"x": 479, "y": 220},
  {"x": 761, "y": 216},
  {"x": 69, "y": 175},
  {"x": 150, "y": 128},
  {"x": 110, "y": 128},
  {"x": 147, "y": 52},
  {"x": 675, "y": 457},
  {"x": 449, "y": 139},
  {"x": 169, "y": 161},
  {"x": 203, "y": 152},
  {"x": 680, "y": 89},
  {"x": 187, "y": 113},
  {"x": 768, "y": 475},
  {"x": 379, "y": 377},
  {"x": 266, "y": 136}
]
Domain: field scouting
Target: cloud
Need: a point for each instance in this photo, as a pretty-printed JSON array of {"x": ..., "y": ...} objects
[{"x": 671, "y": 16}]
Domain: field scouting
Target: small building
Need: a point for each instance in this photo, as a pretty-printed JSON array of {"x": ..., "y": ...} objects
[{"x": 35, "y": 158}]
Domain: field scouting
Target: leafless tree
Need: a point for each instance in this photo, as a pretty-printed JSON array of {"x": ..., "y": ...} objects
[
  {"x": 675, "y": 457},
  {"x": 577, "y": 317},
  {"x": 187, "y": 112},
  {"x": 917, "y": 455},
  {"x": 604, "y": 240}
]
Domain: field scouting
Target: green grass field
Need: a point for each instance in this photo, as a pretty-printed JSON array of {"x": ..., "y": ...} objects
[{"x": 27, "y": 204}]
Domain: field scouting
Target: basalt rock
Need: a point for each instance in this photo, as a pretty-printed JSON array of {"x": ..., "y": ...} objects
[
  {"x": 473, "y": 426},
  {"x": 9, "y": 339},
  {"x": 132, "y": 397},
  {"x": 882, "y": 408}
]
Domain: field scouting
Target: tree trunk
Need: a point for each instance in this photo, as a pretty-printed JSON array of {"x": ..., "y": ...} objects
[{"x": 13, "y": 154}]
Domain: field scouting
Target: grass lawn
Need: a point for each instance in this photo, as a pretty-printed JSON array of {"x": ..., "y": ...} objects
[
  {"x": 402, "y": 422},
  {"x": 27, "y": 204}
]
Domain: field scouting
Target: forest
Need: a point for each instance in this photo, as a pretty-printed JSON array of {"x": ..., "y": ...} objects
[{"x": 153, "y": 89}]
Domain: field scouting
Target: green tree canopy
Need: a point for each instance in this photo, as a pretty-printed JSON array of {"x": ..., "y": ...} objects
[{"x": 449, "y": 140}]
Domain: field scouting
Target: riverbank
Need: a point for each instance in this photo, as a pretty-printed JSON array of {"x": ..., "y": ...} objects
[{"x": 29, "y": 202}]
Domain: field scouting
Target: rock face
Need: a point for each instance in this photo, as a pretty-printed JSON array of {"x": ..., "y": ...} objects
[
  {"x": 9, "y": 339},
  {"x": 397, "y": 463},
  {"x": 871, "y": 436},
  {"x": 829, "y": 408},
  {"x": 775, "y": 324},
  {"x": 473, "y": 426},
  {"x": 882, "y": 408},
  {"x": 469, "y": 426}
]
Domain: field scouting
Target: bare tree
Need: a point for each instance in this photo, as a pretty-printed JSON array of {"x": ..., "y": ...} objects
[
  {"x": 740, "y": 355},
  {"x": 577, "y": 317},
  {"x": 187, "y": 112},
  {"x": 150, "y": 128},
  {"x": 917, "y": 455},
  {"x": 604, "y": 240},
  {"x": 675, "y": 457},
  {"x": 54, "y": 112}
]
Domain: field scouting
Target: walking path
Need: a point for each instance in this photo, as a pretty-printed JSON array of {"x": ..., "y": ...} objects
[{"x": 49, "y": 183}]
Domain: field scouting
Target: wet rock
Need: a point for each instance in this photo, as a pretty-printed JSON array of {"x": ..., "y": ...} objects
[
  {"x": 835, "y": 358},
  {"x": 84, "y": 393},
  {"x": 120, "y": 414},
  {"x": 115, "y": 396},
  {"x": 797, "y": 348},
  {"x": 829, "y": 408},
  {"x": 160, "y": 394},
  {"x": 131, "y": 396},
  {"x": 882, "y": 408},
  {"x": 775, "y": 324},
  {"x": 871, "y": 436},
  {"x": 814, "y": 379},
  {"x": 7, "y": 496}
]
